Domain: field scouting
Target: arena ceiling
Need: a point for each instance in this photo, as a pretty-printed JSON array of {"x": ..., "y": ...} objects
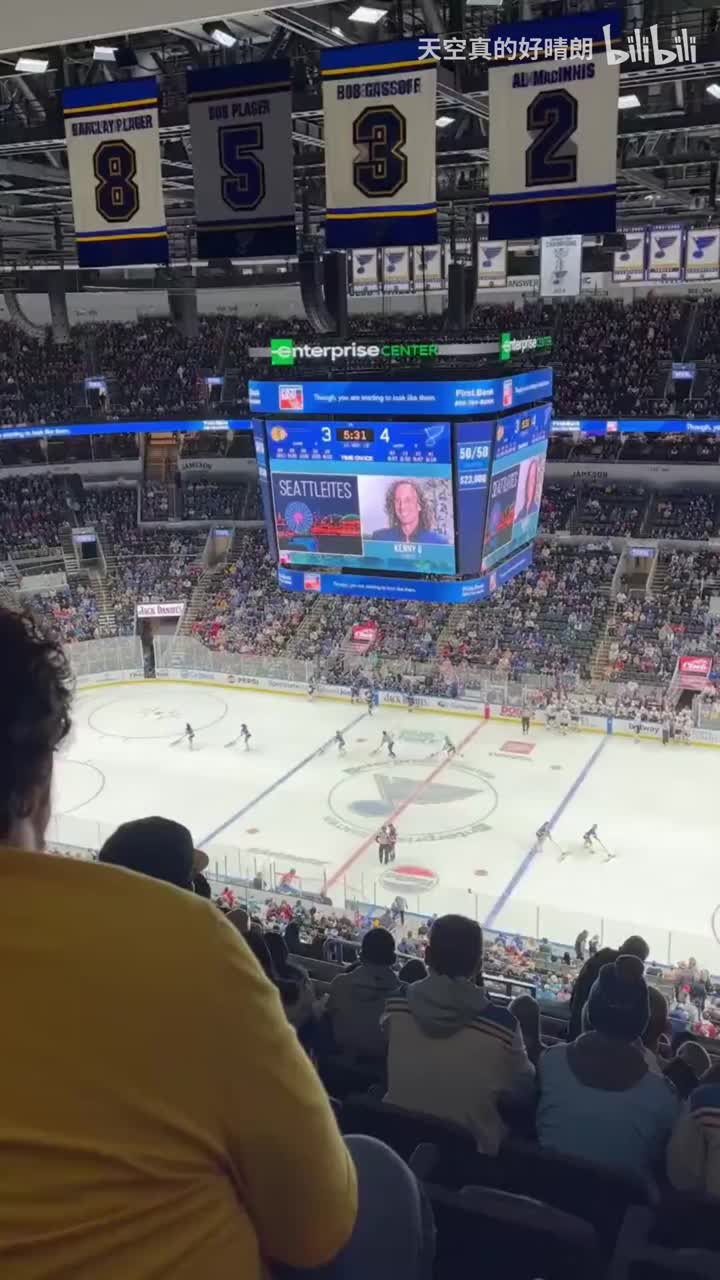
[{"x": 668, "y": 145}]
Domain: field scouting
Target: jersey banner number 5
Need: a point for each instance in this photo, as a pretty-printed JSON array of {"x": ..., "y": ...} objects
[
  {"x": 117, "y": 198},
  {"x": 553, "y": 118},
  {"x": 243, "y": 183},
  {"x": 379, "y": 134}
]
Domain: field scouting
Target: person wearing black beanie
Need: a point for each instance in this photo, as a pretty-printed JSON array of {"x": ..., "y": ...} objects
[{"x": 599, "y": 1099}]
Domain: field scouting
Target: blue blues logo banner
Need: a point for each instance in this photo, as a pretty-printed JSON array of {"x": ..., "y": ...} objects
[
  {"x": 113, "y": 146},
  {"x": 553, "y": 128},
  {"x": 629, "y": 263},
  {"x": 365, "y": 279},
  {"x": 241, "y": 130},
  {"x": 702, "y": 253},
  {"x": 379, "y": 105},
  {"x": 428, "y": 267},
  {"x": 492, "y": 264},
  {"x": 396, "y": 270},
  {"x": 665, "y": 256}
]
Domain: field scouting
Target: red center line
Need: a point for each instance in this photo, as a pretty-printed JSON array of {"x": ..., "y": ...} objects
[{"x": 422, "y": 786}]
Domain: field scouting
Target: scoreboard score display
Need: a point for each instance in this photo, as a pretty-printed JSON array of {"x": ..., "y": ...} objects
[{"x": 421, "y": 502}]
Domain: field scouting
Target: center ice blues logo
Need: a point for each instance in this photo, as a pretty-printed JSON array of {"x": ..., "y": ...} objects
[{"x": 456, "y": 806}]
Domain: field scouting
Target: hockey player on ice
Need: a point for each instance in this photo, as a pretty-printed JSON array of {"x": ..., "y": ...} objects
[
  {"x": 388, "y": 741},
  {"x": 564, "y": 720},
  {"x": 449, "y": 747},
  {"x": 246, "y": 735},
  {"x": 190, "y": 735},
  {"x": 340, "y": 742},
  {"x": 589, "y": 836}
]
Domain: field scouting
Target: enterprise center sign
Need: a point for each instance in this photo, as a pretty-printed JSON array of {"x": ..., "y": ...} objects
[{"x": 285, "y": 352}]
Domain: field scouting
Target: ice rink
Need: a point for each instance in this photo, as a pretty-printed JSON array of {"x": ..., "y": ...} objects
[{"x": 466, "y": 825}]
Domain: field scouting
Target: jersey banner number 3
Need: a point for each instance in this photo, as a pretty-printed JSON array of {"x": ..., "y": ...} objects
[
  {"x": 117, "y": 198},
  {"x": 379, "y": 134},
  {"x": 553, "y": 118}
]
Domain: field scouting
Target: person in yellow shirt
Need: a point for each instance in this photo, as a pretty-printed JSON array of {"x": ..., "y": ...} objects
[{"x": 159, "y": 1117}]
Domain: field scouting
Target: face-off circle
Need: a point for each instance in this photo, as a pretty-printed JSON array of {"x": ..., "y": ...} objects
[
  {"x": 157, "y": 713},
  {"x": 79, "y": 781}
]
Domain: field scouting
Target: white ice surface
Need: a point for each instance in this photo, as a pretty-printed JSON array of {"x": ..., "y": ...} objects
[{"x": 466, "y": 826}]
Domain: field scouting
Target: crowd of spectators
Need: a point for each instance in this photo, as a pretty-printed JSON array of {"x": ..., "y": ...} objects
[
  {"x": 545, "y": 620},
  {"x": 684, "y": 514},
  {"x": 206, "y": 500},
  {"x": 71, "y": 612},
  {"x": 611, "y": 509},
  {"x": 648, "y": 635},
  {"x": 156, "y": 498},
  {"x": 32, "y": 511}
]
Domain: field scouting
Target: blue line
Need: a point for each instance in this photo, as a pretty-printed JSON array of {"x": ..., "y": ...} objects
[
  {"x": 278, "y": 782},
  {"x": 532, "y": 853}
]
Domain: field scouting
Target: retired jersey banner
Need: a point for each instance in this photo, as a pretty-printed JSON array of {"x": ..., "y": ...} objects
[
  {"x": 629, "y": 263},
  {"x": 396, "y": 270},
  {"x": 113, "y": 147},
  {"x": 553, "y": 127},
  {"x": 428, "y": 267},
  {"x": 365, "y": 279},
  {"x": 665, "y": 254},
  {"x": 379, "y": 106},
  {"x": 241, "y": 131},
  {"x": 560, "y": 266},
  {"x": 492, "y": 264},
  {"x": 702, "y": 253}
]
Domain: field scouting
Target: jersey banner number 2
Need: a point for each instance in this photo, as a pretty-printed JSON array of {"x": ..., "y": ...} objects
[
  {"x": 379, "y": 134},
  {"x": 553, "y": 118},
  {"x": 117, "y": 198}
]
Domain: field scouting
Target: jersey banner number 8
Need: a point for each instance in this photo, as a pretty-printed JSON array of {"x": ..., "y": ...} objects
[
  {"x": 380, "y": 133},
  {"x": 117, "y": 198},
  {"x": 553, "y": 118},
  {"x": 243, "y": 183}
]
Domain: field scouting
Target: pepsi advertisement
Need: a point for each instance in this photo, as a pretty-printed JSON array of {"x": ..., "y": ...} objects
[
  {"x": 468, "y": 395},
  {"x": 516, "y": 481},
  {"x": 473, "y": 447},
  {"x": 363, "y": 495}
]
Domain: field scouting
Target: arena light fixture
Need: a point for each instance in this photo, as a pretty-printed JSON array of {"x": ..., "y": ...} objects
[
  {"x": 442, "y": 122},
  {"x": 628, "y": 100},
  {"x": 220, "y": 33},
  {"x": 367, "y": 13},
  {"x": 713, "y": 90},
  {"x": 31, "y": 66},
  {"x": 104, "y": 53}
]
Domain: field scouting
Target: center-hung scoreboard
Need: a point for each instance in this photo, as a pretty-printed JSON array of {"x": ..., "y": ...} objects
[
  {"x": 409, "y": 490},
  {"x": 553, "y": 94}
]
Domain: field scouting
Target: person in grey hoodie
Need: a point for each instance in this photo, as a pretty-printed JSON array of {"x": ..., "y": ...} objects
[
  {"x": 451, "y": 1052},
  {"x": 357, "y": 999}
]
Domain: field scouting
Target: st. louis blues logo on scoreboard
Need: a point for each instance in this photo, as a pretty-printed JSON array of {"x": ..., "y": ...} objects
[
  {"x": 113, "y": 146},
  {"x": 553, "y": 128},
  {"x": 379, "y": 108},
  {"x": 241, "y": 130}
]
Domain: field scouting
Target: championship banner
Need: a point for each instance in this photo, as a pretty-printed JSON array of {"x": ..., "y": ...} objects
[
  {"x": 113, "y": 146},
  {"x": 665, "y": 254},
  {"x": 364, "y": 272},
  {"x": 629, "y": 263},
  {"x": 702, "y": 253},
  {"x": 241, "y": 131},
  {"x": 396, "y": 270},
  {"x": 553, "y": 127},
  {"x": 560, "y": 266},
  {"x": 492, "y": 264},
  {"x": 428, "y": 267},
  {"x": 379, "y": 107}
]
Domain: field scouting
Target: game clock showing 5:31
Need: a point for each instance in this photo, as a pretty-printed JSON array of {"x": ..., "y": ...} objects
[{"x": 355, "y": 435}]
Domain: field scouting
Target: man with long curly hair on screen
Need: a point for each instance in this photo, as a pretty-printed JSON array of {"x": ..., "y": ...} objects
[{"x": 408, "y": 514}]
